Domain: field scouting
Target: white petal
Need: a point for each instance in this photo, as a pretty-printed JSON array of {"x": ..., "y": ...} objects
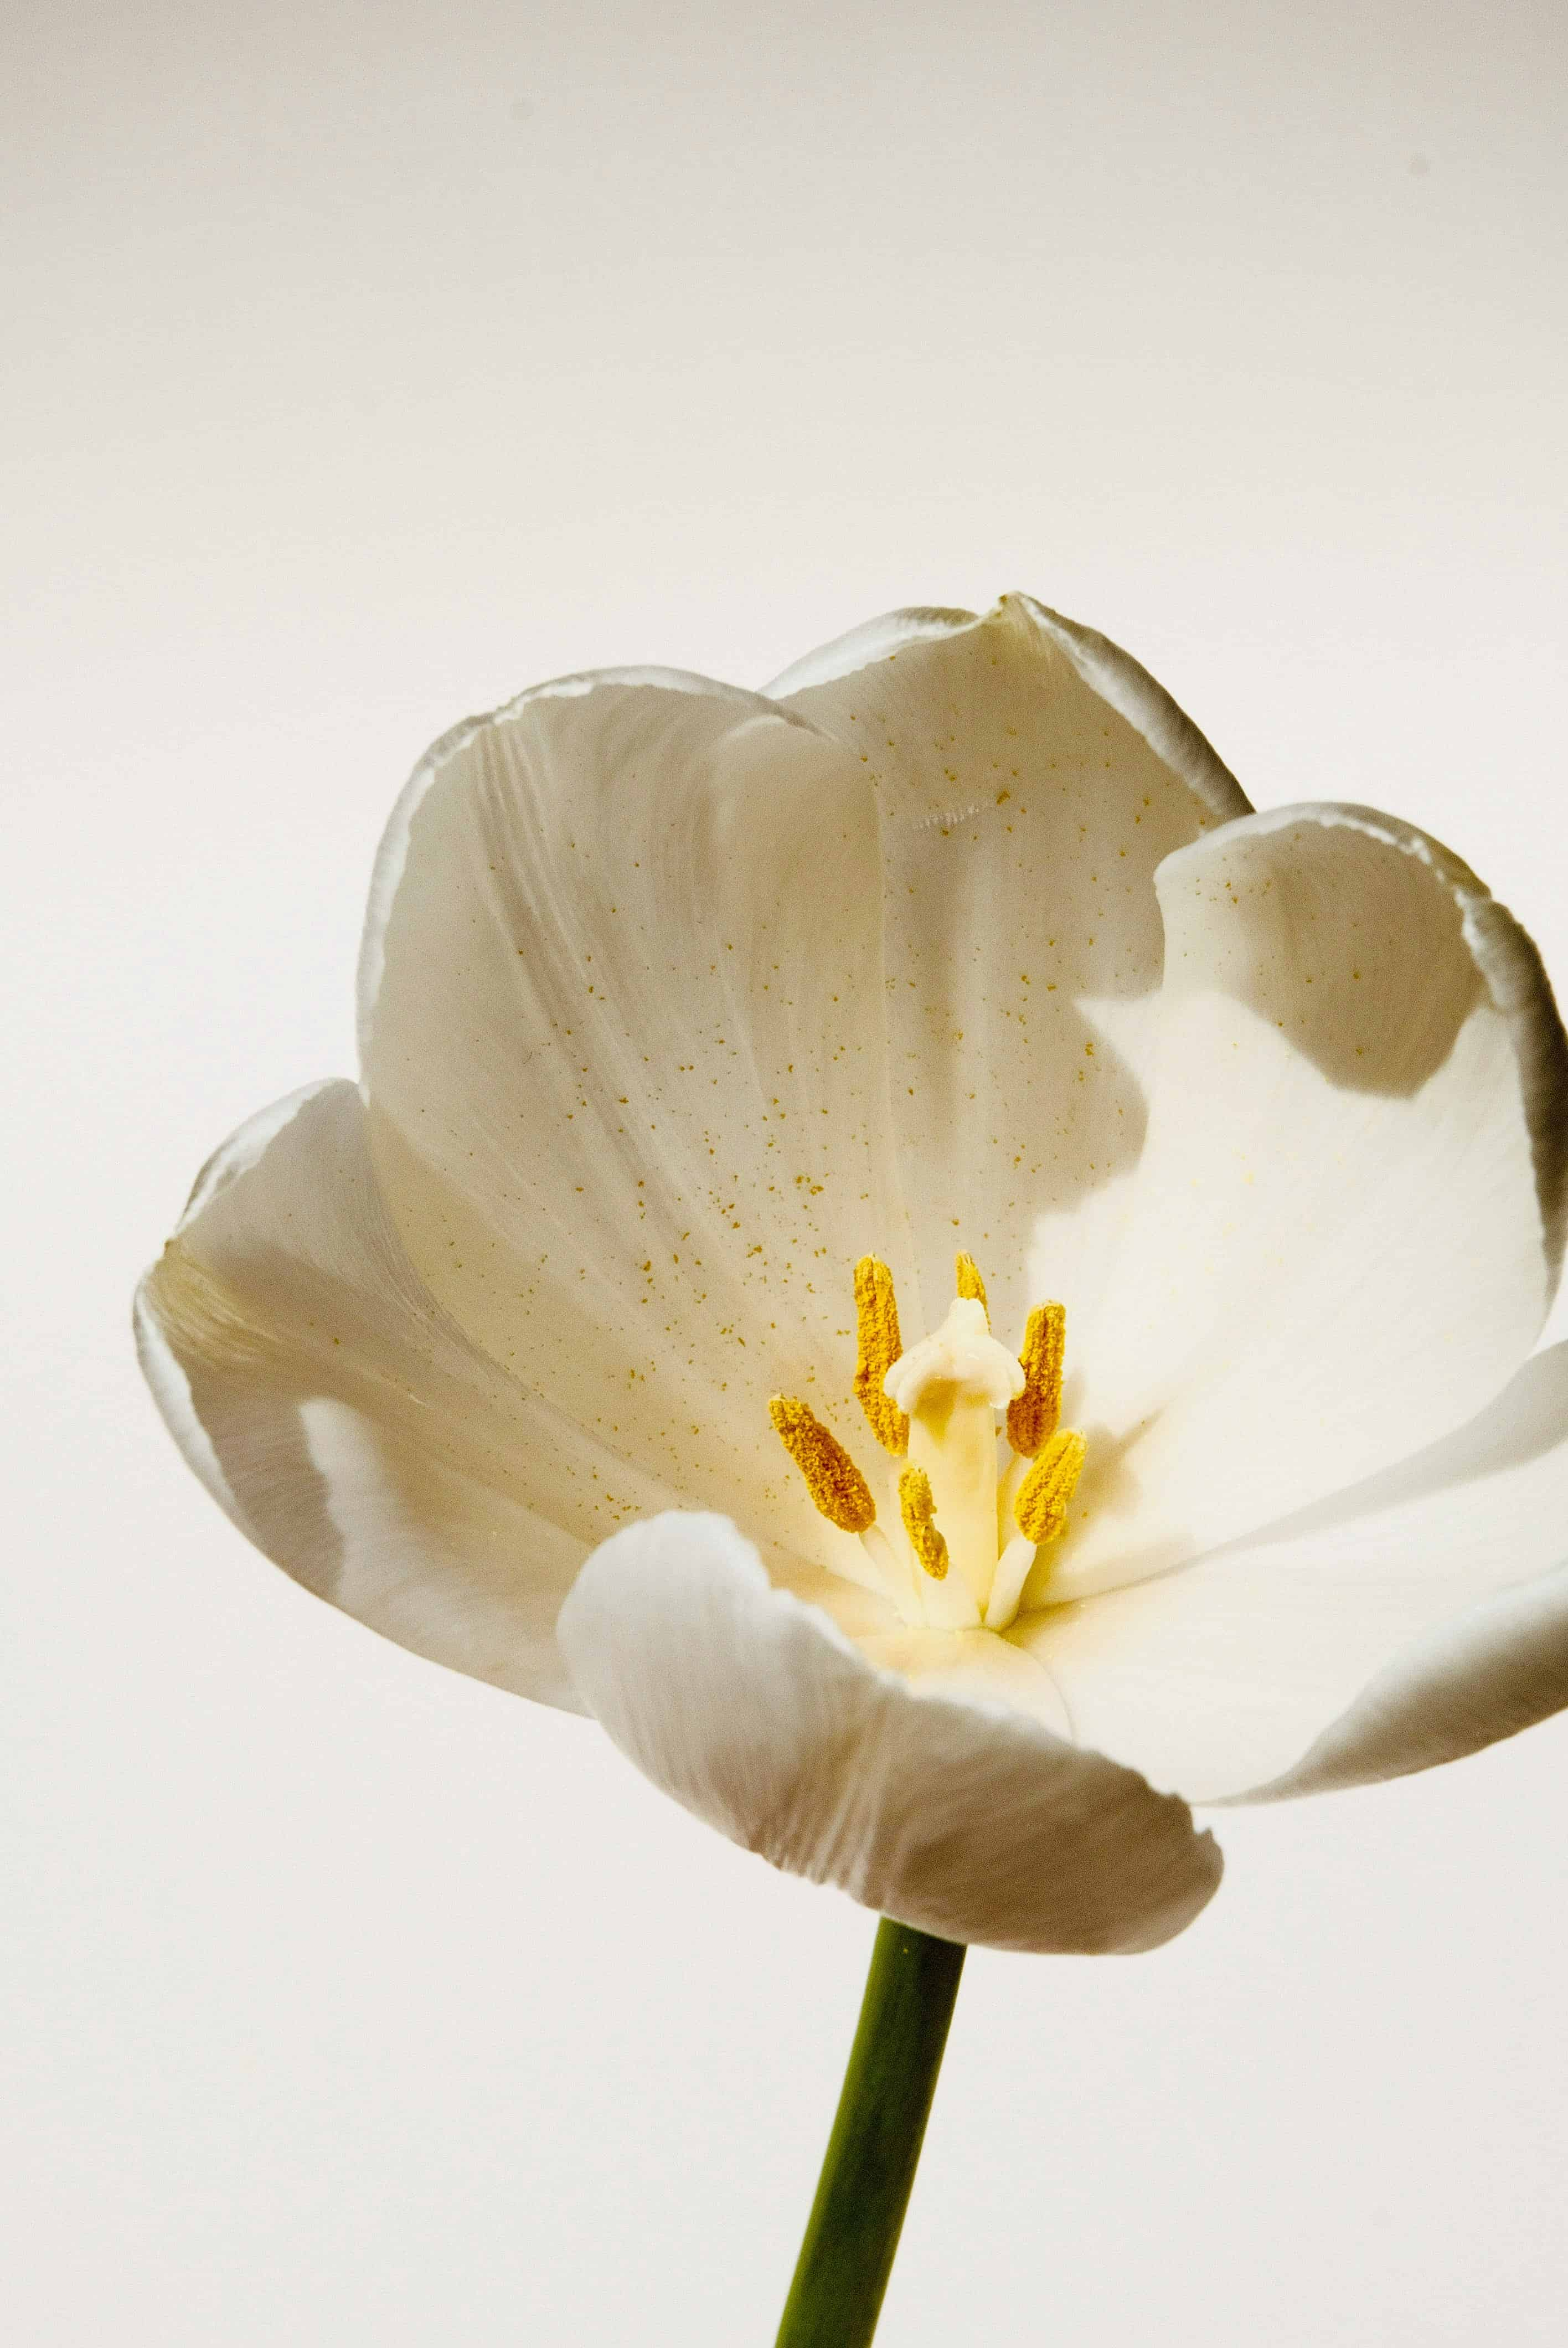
[
  {"x": 965, "y": 1819},
  {"x": 1498, "y": 1669},
  {"x": 351, "y": 1430},
  {"x": 1415, "y": 1618},
  {"x": 1030, "y": 777},
  {"x": 1348, "y": 1220},
  {"x": 965, "y": 1662},
  {"x": 625, "y": 1057}
]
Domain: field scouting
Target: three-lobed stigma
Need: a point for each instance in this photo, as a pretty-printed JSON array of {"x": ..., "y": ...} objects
[{"x": 936, "y": 1407}]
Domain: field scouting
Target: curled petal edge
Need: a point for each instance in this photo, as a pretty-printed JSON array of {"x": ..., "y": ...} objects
[
  {"x": 1491, "y": 1672},
  {"x": 1121, "y": 682}
]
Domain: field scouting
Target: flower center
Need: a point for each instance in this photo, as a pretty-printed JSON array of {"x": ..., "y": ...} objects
[{"x": 975, "y": 1506}]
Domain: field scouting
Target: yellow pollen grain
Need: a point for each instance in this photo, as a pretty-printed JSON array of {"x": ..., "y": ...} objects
[
  {"x": 918, "y": 1509},
  {"x": 1041, "y": 1508},
  {"x": 1032, "y": 1417},
  {"x": 878, "y": 1347},
  {"x": 967, "y": 1273},
  {"x": 838, "y": 1489}
]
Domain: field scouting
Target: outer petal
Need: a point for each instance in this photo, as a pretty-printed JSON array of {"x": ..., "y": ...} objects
[
  {"x": 625, "y": 1057},
  {"x": 1347, "y": 1224},
  {"x": 974, "y": 1823},
  {"x": 351, "y": 1429},
  {"x": 1030, "y": 777},
  {"x": 1418, "y": 1617},
  {"x": 1499, "y": 1669}
]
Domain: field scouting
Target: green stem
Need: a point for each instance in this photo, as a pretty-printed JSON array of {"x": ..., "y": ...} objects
[{"x": 857, "y": 2216}]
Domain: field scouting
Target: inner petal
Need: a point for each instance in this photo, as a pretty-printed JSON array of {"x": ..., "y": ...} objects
[
  {"x": 625, "y": 1059},
  {"x": 1031, "y": 778},
  {"x": 1347, "y": 1219}
]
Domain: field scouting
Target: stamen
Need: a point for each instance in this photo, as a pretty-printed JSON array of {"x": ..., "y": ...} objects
[
  {"x": 1013, "y": 1567},
  {"x": 878, "y": 1347},
  {"x": 967, "y": 1274},
  {"x": 839, "y": 1491},
  {"x": 1032, "y": 1418},
  {"x": 919, "y": 1510},
  {"x": 1041, "y": 1508}
]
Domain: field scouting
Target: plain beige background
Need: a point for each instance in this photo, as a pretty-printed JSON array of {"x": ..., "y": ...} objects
[{"x": 365, "y": 364}]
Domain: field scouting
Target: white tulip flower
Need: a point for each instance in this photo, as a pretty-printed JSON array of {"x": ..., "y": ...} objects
[{"x": 702, "y": 1033}]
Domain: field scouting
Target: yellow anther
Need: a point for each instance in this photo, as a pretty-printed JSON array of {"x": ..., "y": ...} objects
[
  {"x": 835, "y": 1484},
  {"x": 919, "y": 1510},
  {"x": 1041, "y": 1508},
  {"x": 1032, "y": 1418},
  {"x": 967, "y": 1274},
  {"x": 878, "y": 1347}
]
